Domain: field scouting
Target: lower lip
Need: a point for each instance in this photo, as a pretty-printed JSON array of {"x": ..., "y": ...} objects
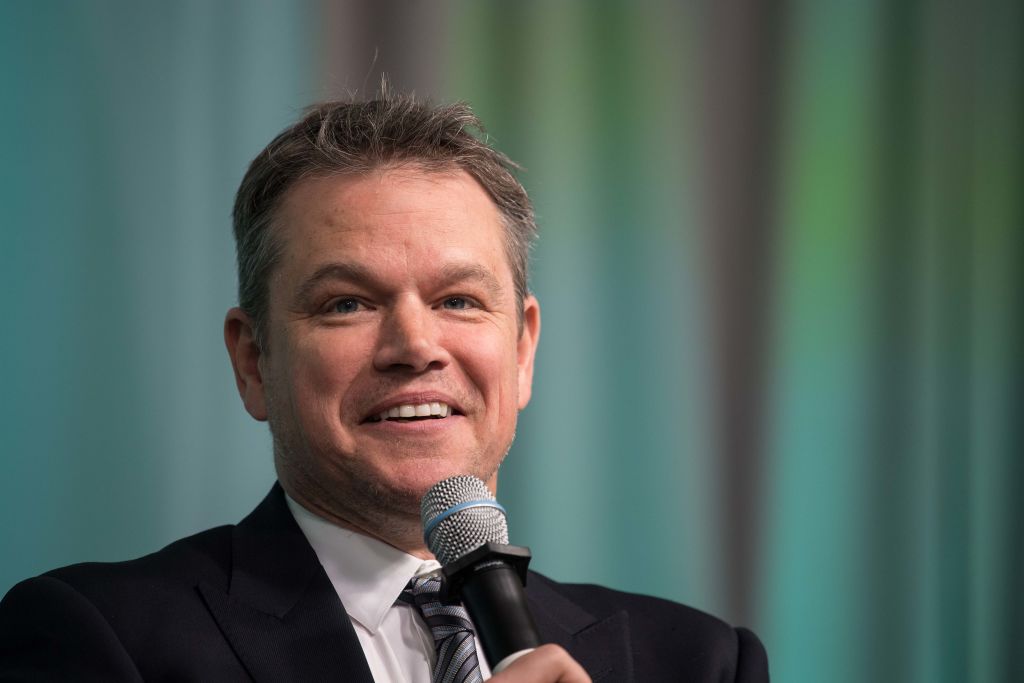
[{"x": 414, "y": 427}]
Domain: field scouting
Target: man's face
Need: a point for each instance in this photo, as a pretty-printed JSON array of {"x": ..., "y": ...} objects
[{"x": 393, "y": 295}]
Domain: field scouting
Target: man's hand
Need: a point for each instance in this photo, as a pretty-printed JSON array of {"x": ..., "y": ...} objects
[{"x": 546, "y": 664}]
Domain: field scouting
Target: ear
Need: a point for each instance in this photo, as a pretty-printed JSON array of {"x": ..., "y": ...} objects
[
  {"x": 245, "y": 360},
  {"x": 527, "y": 348}
]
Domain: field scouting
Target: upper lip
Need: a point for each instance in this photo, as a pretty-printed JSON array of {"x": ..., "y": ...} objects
[{"x": 414, "y": 399}]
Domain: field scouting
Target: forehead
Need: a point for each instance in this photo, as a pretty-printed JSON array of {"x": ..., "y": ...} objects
[{"x": 401, "y": 219}]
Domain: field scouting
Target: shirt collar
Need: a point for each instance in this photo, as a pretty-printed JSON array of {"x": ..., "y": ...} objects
[{"x": 367, "y": 574}]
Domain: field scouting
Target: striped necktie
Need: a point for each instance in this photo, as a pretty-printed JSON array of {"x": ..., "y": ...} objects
[{"x": 453, "y": 633}]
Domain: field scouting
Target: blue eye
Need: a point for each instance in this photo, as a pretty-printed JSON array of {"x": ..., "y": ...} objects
[
  {"x": 346, "y": 305},
  {"x": 456, "y": 303}
]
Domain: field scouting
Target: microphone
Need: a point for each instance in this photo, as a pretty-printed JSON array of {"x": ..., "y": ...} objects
[{"x": 465, "y": 528}]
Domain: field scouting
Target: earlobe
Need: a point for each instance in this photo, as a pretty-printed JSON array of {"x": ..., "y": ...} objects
[
  {"x": 245, "y": 361},
  {"x": 527, "y": 348}
]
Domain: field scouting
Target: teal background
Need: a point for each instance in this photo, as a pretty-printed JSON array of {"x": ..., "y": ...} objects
[{"x": 780, "y": 374}]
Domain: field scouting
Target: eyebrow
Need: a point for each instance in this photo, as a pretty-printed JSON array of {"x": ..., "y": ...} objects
[
  {"x": 353, "y": 272},
  {"x": 331, "y": 271},
  {"x": 471, "y": 272}
]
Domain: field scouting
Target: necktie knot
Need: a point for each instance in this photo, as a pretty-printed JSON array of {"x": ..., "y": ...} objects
[
  {"x": 421, "y": 589},
  {"x": 451, "y": 628}
]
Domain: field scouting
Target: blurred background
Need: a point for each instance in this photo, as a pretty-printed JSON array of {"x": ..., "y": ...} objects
[{"x": 780, "y": 376}]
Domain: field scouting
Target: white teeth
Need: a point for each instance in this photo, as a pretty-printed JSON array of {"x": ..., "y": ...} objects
[{"x": 435, "y": 408}]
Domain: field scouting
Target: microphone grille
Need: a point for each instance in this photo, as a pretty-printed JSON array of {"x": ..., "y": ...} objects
[{"x": 451, "y": 534}]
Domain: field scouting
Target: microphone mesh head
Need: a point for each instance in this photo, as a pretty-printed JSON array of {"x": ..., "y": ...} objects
[{"x": 464, "y": 530}]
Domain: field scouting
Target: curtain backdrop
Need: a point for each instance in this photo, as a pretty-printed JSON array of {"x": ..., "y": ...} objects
[{"x": 780, "y": 375}]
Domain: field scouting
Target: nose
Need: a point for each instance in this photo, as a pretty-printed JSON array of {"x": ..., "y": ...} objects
[{"x": 409, "y": 340}]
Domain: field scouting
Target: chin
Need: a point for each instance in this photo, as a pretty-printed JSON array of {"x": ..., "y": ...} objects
[{"x": 415, "y": 480}]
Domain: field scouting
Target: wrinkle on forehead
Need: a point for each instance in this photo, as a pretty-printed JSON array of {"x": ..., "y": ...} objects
[
  {"x": 345, "y": 203},
  {"x": 386, "y": 180},
  {"x": 368, "y": 228}
]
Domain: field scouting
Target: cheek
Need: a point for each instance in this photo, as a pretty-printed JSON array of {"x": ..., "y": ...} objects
[
  {"x": 322, "y": 370},
  {"x": 490, "y": 362}
]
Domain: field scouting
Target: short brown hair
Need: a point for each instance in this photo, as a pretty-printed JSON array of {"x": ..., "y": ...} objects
[{"x": 359, "y": 137}]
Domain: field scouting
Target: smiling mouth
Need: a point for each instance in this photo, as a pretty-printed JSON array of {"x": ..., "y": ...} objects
[{"x": 414, "y": 413}]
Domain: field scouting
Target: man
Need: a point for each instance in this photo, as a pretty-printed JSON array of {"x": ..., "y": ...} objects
[{"x": 386, "y": 333}]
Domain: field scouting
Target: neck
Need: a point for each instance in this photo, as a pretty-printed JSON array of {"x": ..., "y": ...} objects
[{"x": 403, "y": 532}]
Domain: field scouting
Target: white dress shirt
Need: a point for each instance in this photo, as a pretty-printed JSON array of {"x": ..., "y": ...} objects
[{"x": 368, "y": 576}]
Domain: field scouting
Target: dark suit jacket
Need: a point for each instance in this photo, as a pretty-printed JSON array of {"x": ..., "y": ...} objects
[{"x": 251, "y": 602}]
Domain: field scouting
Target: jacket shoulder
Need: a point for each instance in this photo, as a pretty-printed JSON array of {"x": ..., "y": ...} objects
[
  {"x": 665, "y": 634},
  {"x": 94, "y": 621},
  {"x": 205, "y": 556},
  {"x": 134, "y": 596}
]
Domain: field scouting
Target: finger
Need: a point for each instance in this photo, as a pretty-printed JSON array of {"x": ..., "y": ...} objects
[{"x": 546, "y": 664}]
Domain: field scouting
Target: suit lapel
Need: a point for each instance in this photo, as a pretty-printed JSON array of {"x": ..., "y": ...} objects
[
  {"x": 281, "y": 614},
  {"x": 601, "y": 646}
]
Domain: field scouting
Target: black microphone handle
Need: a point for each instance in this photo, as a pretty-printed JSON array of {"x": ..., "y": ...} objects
[
  {"x": 493, "y": 595},
  {"x": 489, "y": 580}
]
